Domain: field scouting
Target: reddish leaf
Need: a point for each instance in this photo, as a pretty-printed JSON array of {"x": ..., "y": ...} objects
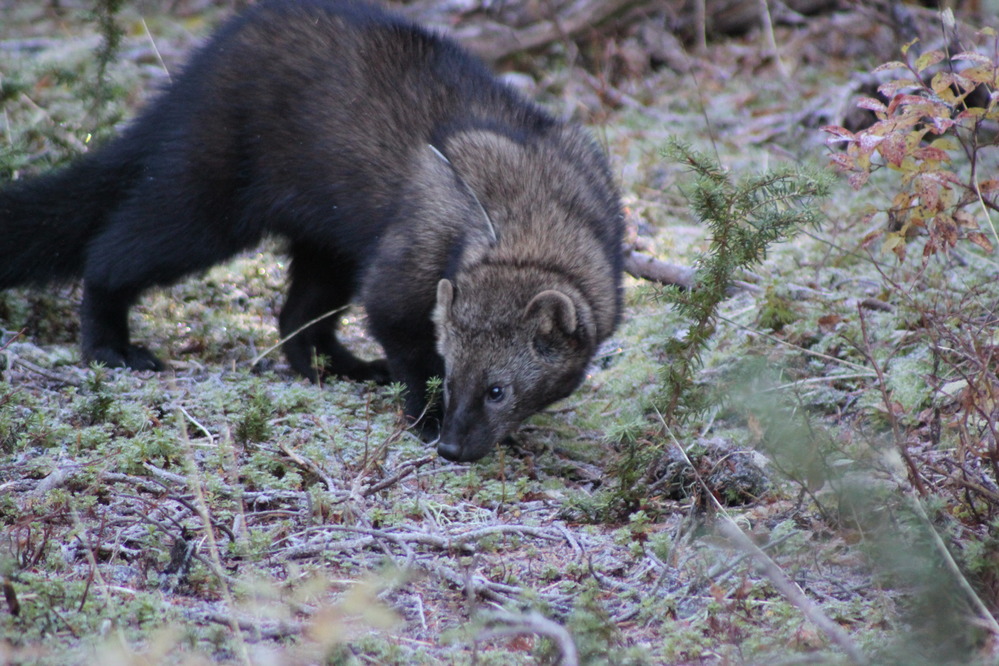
[
  {"x": 871, "y": 237},
  {"x": 943, "y": 177},
  {"x": 928, "y": 194},
  {"x": 838, "y": 133},
  {"x": 979, "y": 239},
  {"x": 868, "y": 142},
  {"x": 928, "y": 153},
  {"x": 965, "y": 220},
  {"x": 962, "y": 82},
  {"x": 941, "y": 125},
  {"x": 990, "y": 185},
  {"x": 890, "y": 88},
  {"x": 974, "y": 114},
  {"x": 946, "y": 230},
  {"x": 858, "y": 179},
  {"x": 913, "y": 100},
  {"x": 888, "y": 66},
  {"x": 894, "y": 242},
  {"x": 828, "y": 322},
  {"x": 892, "y": 148},
  {"x": 981, "y": 74},
  {"x": 908, "y": 115},
  {"x": 972, "y": 57},
  {"x": 872, "y": 104},
  {"x": 931, "y": 247},
  {"x": 843, "y": 161}
]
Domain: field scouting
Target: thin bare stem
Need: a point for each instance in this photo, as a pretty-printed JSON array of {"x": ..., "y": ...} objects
[{"x": 780, "y": 580}]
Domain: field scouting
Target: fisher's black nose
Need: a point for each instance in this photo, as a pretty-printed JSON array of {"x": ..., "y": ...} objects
[{"x": 449, "y": 450}]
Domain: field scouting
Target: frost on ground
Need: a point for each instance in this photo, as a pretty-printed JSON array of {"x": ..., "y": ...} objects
[{"x": 225, "y": 511}]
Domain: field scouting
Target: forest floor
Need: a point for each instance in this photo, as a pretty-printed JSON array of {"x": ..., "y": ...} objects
[{"x": 226, "y": 511}]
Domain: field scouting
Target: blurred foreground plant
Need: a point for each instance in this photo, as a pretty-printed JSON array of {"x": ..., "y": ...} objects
[{"x": 744, "y": 219}]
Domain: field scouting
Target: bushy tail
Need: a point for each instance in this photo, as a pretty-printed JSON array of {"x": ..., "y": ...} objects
[{"x": 46, "y": 222}]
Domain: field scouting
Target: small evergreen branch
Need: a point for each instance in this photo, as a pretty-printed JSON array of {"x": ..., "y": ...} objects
[
  {"x": 744, "y": 219},
  {"x": 105, "y": 15}
]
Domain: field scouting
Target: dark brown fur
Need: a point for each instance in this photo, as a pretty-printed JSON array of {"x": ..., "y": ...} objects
[
  {"x": 390, "y": 160},
  {"x": 520, "y": 317}
]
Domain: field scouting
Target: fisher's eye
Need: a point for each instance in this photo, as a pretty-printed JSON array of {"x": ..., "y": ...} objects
[{"x": 495, "y": 393}]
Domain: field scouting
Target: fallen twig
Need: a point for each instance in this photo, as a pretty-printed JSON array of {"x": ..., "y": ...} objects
[
  {"x": 780, "y": 580},
  {"x": 646, "y": 267},
  {"x": 62, "y": 378},
  {"x": 790, "y": 590},
  {"x": 404, "y": 470},
  {"x": 254, "y": 628},
  {"x": 533, "y": 622},
  {"x": 308, "y": 465}
]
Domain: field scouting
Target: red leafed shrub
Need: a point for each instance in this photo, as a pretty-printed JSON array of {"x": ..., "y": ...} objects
[{"x": 940, "y": 107}]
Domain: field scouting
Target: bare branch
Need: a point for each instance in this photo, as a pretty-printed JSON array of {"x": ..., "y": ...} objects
[{"x": 646, "y": 267}]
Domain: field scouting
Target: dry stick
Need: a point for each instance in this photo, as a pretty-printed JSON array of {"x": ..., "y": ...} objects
[
  {"x": 404, "y": 470},
  {"x": 792, "y": 592},
  {"x": 376, "y": 537},
  {"x": 166, "y": 479},
  {"x": 156, "y": 51},
  {"x": 990, "y": 495},
  {"x": 88, "y": 550},
  {"x": 985, "y": 211},
  {"x": 816, "y": 380},
  {"x": 259, "y": 357},
  {"x": 532, "y": 623},
  {"x": 864, "y": 370},
  {"x": 646, "y": 267},
  {"x": 283, "y": 629},
  {"x": 914, "y": 477},
  {"x": 780, "y": 580},
  {"x": 47, "y": 374},
  {"x": 768, "y": 30},
  {"x": 498, "y": 592},
  {"x": 308, "y": 465},
  {"x": 701, "y": 19},
  {"x": 446, "y": 541},
  {"x": 6, "y": 119},
  {"x": 194, "y": 483},
  {"x": 493, "y": 41},
  {"x": 198, "y": 425},
  {"x": 986, "y": 616}
]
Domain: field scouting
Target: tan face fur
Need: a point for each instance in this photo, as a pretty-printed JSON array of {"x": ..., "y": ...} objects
[{"x": 509, "y": 351}]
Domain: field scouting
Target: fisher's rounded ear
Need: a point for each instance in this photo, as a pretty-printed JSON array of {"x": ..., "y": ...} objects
[
  {"x": 552, "y": 314},
  {"x": 442, "y": 312},
  {"x": 445, "y": 297}
]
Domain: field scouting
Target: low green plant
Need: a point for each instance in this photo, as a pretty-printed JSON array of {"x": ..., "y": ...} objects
[
  {"x": 744, "y": 218},
  {"x": 99, "y": 398},
  {"x": 105, "y": 14},
  {"x": 253, "y": 423},
  {"x": 596, "y": 637}
]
